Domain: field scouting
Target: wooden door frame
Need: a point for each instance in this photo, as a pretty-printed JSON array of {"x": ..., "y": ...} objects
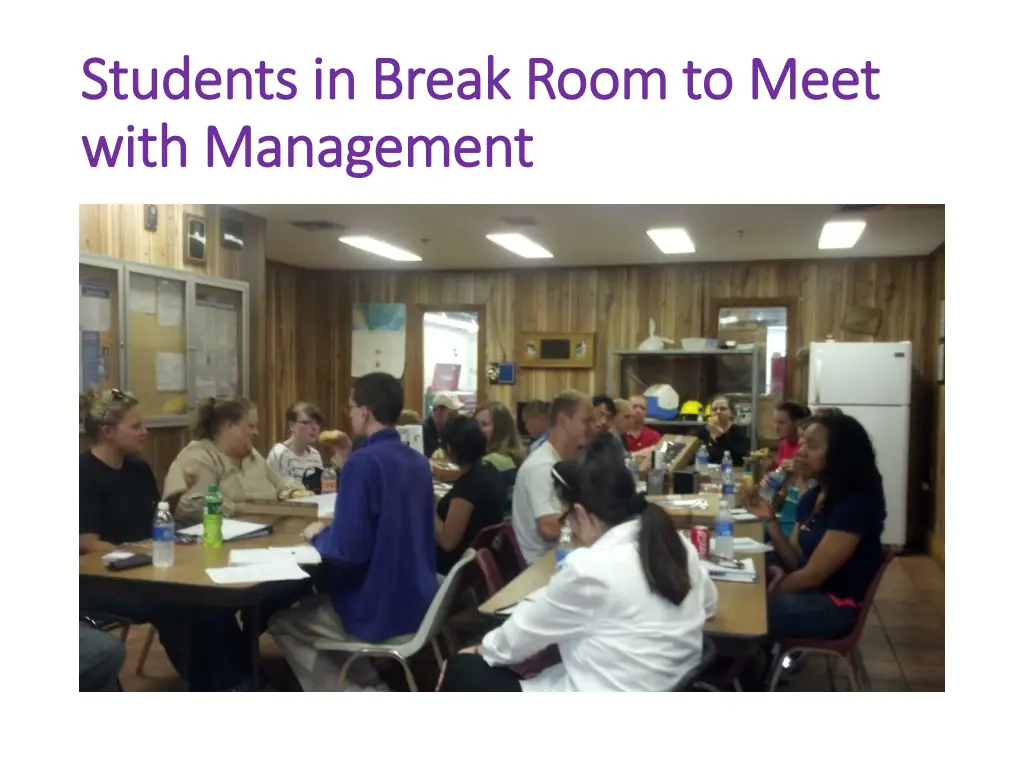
[
  {"x": 790, "y": 304},
  {"x": 415, "y": 340}
]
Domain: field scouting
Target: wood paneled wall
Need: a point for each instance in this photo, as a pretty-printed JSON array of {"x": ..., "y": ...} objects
[
  {"x": 936, "y": 537},
  {"x": 309, "y": 317},
  {"x": 118, "y": 231}
]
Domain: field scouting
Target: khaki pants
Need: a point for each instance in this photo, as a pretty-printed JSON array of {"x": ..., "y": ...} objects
[{"x": 296, "y": 629}]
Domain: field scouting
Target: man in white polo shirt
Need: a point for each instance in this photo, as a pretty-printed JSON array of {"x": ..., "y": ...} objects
[{"x": 535, "y": 508}]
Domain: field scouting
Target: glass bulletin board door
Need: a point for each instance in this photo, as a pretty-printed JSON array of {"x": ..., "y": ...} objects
[
  {"x": 218, "y": 352},
  {"x": 158, "y": 344},
  {"x": 99, "y": 330}
]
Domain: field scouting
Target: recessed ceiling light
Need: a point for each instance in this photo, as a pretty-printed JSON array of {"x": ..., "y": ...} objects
[
  {"x": 840, "y": 234},
  {"x": 672, "y": 240},
  {"x": 520, "y": 245},
  {"x": 379, "y": 248}
]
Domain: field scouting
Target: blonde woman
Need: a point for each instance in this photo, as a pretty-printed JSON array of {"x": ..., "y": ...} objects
[
  {"x": 117, "y": 493},
  {"x": 224, "y": 455},
  {"x": 505, "y": 450}
]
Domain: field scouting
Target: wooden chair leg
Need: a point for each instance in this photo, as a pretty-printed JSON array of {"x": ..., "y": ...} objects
[
  {"x": 124, "y": 632},
  {"x": 140, "y": 668}
]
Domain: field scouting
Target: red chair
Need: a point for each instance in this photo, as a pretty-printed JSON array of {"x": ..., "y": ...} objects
[
  {"x": 500, "y": 540},
  {"x": 845, "y": 647},
  {"x": 489, "y": 570}
]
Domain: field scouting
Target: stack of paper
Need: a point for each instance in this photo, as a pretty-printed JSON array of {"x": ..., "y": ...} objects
[
  {"x": 324, "y": 503},
  {"x": 284, "y": 569},
  {"x": 231, "y": 530},
  {"x": 304, "y": 554},
  {"x": 741, "y": 515},
  {"x": 745, "y": 575},
  {"x": 746, "y": 544}
]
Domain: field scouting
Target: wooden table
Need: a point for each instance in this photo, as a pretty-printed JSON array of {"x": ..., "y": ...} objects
[
  {"x": 742, "y": 608},
  {"x": 187, "y": 581}
]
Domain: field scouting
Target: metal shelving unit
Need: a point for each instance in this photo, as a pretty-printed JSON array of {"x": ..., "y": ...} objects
[{"x": 619, "y": 362}]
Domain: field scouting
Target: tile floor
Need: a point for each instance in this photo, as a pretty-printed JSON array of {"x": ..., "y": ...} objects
[{"x": 903, "y": 643}]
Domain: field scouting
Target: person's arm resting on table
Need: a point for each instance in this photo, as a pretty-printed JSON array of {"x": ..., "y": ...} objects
[
  {"x": 348, "y": 540},
  {"x": 559, "y": 614}
]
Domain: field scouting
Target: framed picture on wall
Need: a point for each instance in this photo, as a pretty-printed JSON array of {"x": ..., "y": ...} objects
[{"x": 195, "y": 239}]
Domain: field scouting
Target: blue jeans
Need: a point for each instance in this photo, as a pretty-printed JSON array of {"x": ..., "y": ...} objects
[
  {"x": 100, "y": 656},
  {"x": 808, "y": 614}
]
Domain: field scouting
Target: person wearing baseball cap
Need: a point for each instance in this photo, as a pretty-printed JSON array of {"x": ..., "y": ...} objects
[{"x": 446, "y": 405}]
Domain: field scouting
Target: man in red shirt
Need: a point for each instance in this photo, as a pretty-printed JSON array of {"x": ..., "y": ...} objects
[{"x": 640, "y": 436}]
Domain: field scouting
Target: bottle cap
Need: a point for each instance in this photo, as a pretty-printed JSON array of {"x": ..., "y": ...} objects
[
  {"x": 163, "y": 505},
  {"x": 211, "y": 488}
]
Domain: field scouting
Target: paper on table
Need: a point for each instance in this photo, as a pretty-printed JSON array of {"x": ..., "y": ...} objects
[
  {"x": 284, "y": 569},
  {"x": 230, "y": 529},
  {"x": 142, "y": 296},
  {"x": 116, "y": 555},
  {"x": 170, "y": 303},
  {"x": 170, "y": 372},
  {"x": 741, "y": 515},
  {"x": 746, "y": 544},
  {"x": 304, "y": 554}
]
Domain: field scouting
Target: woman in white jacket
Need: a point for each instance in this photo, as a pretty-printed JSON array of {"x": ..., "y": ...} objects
[{"x": 626, "y": 612}]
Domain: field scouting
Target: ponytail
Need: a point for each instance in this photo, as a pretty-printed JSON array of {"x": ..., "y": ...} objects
[
  {"x": 211, "y": 412},
  {"x": 663, "y": 555}
]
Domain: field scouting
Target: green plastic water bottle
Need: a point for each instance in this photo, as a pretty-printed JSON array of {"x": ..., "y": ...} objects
[{"x": 213, "y": 518}]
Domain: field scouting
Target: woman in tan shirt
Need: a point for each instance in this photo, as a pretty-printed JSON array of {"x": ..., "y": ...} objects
[{"x": 223, "y": 454}]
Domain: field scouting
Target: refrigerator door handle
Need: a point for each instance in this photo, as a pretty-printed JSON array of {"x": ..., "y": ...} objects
[{"x": 817, "y": 380}]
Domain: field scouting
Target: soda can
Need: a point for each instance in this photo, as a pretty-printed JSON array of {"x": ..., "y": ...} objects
[{"x": 700, "y": 537}]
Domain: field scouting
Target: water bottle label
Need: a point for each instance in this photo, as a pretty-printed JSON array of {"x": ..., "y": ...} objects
[
  {"x": 728, "y": 489},
  {"x": 163, "y": 533},
  {"x": 723, "y": 528},
  {"x": 560, "y": 555}
]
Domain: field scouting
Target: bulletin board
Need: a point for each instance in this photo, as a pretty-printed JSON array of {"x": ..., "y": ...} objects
[
  {"x": 99, "y": 363},
  {"x": 157, "y": 344},
  {"x": 218, "y": 331}
]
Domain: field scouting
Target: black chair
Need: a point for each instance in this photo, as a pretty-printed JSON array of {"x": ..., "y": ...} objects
[{"x": 692, "y": 682}]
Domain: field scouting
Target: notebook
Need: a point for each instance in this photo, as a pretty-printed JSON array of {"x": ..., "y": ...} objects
[
  {"x": 232, "y": 530},
  {"x": 278, "y": 570},
  {"x": 746, "y": 575},
  {"x": 746, "y": 544}
]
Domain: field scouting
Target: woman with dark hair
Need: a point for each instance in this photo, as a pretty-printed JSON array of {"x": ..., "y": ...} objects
[
  {"x": 626, "y": 612},
  {"x": 788, "y": 418},
  {"x": 476, "y": 500},
  {"x": 721, "y": 434},
  {"x": 835, "y": 549}
]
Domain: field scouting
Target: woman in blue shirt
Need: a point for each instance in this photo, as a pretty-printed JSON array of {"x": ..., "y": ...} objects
[{"x": 835, "y": 549}]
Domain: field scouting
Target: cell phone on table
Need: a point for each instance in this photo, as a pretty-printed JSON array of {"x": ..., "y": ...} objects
[{"x": 127, "y": 563}]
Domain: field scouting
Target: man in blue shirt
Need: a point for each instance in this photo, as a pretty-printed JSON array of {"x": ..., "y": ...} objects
[{"x": 380, "y": 546}]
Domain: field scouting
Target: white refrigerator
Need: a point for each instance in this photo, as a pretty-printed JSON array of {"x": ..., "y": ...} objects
[{"x": 871, "y": 381}]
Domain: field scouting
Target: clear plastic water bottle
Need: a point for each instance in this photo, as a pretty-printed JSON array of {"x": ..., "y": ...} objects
[
  {"x": 726, "y": 463},
  {"x": 728, "y": 489},
  {"x": 702, "y": 461},
  {"x": 775, "y": 482},
  {"x": 656, "y": 474},
  {"x": 329, "y": 480},
  {"x": 633, "y": 467},
  {"x": 723, "y": 529},
  {"x": 163, "y": 536},
  {"x": 564, "y": 545}
]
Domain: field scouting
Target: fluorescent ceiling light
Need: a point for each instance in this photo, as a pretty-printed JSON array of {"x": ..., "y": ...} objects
[
  {"x": 672, "y": 240},
  {"x": 840, "y": 234},
  {"x": 520, "y": 245},
  {"x": 380, "y": 248}
]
